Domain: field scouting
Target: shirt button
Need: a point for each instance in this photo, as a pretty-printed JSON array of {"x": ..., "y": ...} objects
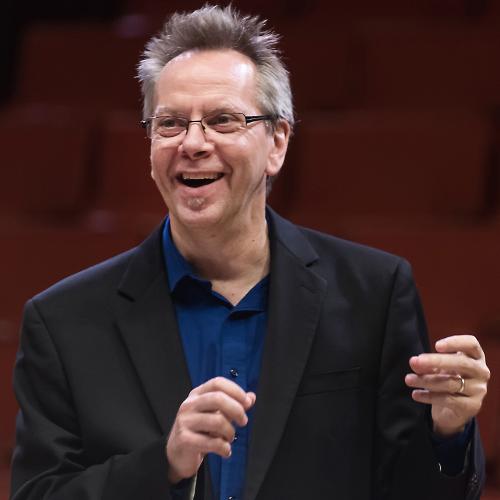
[
  {"x": 235, "y": 437},
  {"x": 232, "y": 498},
  {"x": 234, "y": 374}
]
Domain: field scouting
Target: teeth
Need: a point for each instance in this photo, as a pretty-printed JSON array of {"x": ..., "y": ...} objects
[{"x": 200, "y": 175}]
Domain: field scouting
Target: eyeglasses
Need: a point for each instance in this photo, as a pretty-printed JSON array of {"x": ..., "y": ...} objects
[{"x": 222, "y": 123}]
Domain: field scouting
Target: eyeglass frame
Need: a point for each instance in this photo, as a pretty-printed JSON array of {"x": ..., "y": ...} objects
[{"x": 248, "y": 119}]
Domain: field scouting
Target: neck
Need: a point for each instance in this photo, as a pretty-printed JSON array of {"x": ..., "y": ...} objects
[{"x": 233, "y": 257}]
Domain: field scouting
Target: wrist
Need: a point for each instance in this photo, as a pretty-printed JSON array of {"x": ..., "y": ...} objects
[
  {"x": 446, "y": 432},
  {"x": 173, "y": 476}
]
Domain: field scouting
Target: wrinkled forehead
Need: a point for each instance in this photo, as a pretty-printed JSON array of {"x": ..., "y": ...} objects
[
  {"x": 237, "y": 64},
  {"x": 204, "y": 74}
]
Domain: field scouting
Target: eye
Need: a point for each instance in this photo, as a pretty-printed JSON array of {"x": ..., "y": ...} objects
[
  {"x": 224, "y": 122},
  {"x": 170, "y": 122},
  {"x": 169, "y": 126}
]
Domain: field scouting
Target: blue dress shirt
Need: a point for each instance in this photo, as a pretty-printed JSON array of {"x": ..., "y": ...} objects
[{"x": 219, "y": 339}]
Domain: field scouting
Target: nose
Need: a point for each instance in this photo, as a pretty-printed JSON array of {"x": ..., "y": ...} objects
[{"x": 194, "y": 143}]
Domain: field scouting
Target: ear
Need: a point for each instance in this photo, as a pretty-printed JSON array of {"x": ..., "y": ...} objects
[
  {"x": 280, "y": 138},
  {"x": 151, "y": 172}
]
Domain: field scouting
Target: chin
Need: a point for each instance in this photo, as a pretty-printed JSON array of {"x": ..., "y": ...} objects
[{"x": 195, "y": 213}]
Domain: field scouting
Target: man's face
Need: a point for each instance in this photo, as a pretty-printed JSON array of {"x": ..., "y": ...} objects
[{"x": 192, "y": 86}]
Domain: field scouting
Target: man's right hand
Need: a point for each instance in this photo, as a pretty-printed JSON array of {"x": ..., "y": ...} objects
[{"x": 205, "y": 424}]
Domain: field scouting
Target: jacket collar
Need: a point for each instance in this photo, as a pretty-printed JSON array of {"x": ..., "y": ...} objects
[{"x": 145, "y": 317}]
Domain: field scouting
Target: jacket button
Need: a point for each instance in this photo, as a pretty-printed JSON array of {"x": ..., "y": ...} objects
[{"x": 234, "y": 374}]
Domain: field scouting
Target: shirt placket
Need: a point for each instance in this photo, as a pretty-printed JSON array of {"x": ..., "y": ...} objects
[{"x": 234, "y": 367}]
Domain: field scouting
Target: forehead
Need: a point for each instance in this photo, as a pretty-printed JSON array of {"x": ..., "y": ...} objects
[{"x": 207, "y": 78}]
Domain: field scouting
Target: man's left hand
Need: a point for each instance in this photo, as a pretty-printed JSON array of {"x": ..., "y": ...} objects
[{"x": 453, "y": 380}]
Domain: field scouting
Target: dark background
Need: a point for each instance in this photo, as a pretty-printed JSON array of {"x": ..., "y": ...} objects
[{"x": 396, "y": 146}]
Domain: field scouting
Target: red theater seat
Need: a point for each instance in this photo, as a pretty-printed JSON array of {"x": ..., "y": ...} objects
[
  {"x": 390, "y": 8},
  {"x": 126, "y": 194},
  {"x": 389, "y": 164},
  {"x": 325, "y": 65},
  {"x": 8, "y": 348},
  {"x": 4, "y": 483},
  {"x": 271, "y": 10},
  {"x": 432, "y": 65},
  {"x": 45, "y": 156},
  {"x": 92, "y": 65}
]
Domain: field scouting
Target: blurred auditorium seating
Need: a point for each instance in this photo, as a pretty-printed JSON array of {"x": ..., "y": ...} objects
[
  {"x": 333, "y": 62},
  {"x": 397, "y": 146},
  {"x": 370, "y": 163},
  {"x": 92, "y": 65},
  {"x": 433, "y": 9},
  {"x": 331, "y": 10},
  {"x": 125, "y": 193},
  {"x": 430, "y": 64},
  {"x": 46, "y": 152}
]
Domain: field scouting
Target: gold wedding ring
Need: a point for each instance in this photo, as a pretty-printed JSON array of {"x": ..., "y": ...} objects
[{"x": 462, "y": 384}]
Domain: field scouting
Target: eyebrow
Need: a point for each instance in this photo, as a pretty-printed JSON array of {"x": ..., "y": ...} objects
[{"x": 163, "y": 110}]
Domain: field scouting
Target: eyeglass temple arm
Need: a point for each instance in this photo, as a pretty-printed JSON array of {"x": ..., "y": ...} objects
[{"x": 256, "y": 118}]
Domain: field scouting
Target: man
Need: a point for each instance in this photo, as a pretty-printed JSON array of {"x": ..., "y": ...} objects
[{"x": 232, "y": 354}]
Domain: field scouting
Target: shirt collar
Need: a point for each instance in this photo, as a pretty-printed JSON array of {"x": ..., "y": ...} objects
[{"x": 178, "y": 267}]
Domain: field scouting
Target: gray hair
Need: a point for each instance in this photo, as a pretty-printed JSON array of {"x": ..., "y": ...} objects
[{"x": 210, "y": 28}]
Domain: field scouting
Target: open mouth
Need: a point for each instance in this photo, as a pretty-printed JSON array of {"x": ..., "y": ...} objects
[{"x": 195, "y": 180}]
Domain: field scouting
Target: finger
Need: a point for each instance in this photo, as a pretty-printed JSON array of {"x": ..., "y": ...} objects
[
  {"x": 463, "y": 407},
  {"x": 468, "y": 344},
  {"x": 453, "y": 401},
  {"x": 253, "y": 398},
  {"x": 216, "y": 402},
  {"x": 213, "y": 424},
  {"x": 437, "y": 383},
  {"x": 204, "y": 443},
  {"x": 451, "y": 364},
  {"x": 227, "y": 386}
]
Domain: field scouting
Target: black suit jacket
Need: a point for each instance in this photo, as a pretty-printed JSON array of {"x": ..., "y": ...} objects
[{"x": 101, "y": 373}]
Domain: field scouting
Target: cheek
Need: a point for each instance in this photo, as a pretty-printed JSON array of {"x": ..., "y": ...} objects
[
  {"x": 160, "y": 159},
  {"x": 247, "y": 150}
]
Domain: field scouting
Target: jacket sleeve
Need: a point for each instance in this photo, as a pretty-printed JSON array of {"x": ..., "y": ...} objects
[
  {"x": 407, "y": 466},
  {"x": 49, "y": 461}
]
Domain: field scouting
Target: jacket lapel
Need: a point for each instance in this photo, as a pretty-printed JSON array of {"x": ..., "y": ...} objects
[
  {"x": 295, "y": 300},
  {"x": 147, "y": 323}
]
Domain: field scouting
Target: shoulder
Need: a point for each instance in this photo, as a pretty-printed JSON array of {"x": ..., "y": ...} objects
[
  {"x": 357, "y": 267},
  {"x": 129, "y": 272},
  {"x": 350, "y": 253},
  {"x": 344, "y": 265},
  {"x": 326, "y": 250},
  {"x": 89, "y": 284}
]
